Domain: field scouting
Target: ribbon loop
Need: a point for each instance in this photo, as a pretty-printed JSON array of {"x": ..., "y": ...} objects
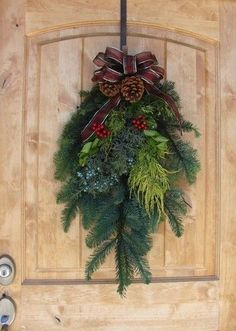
[
  {"x": 144, "y": 57},
  {"x": 114, "y": 54}
]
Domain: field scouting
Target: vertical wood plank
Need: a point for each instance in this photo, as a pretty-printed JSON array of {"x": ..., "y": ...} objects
[
  {"x": 53, "y": 84},
  {"x": 59, "y": 95},
  {"x": 11, "y": 86},
  {"x": 185, "y": 67},
  {"x": 228, "y": 165}
]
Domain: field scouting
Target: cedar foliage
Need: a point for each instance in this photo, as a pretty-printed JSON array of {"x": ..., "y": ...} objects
[{"x": 128, "y": 183}]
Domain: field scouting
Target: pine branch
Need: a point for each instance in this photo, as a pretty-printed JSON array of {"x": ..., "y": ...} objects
[
  {"x": 69, "y": 213},
  {"x": 135, "y": 215},
  {"x": 98, "y": 257},
  {"x": 184, "y": 157},
  {"x": 69, "y": 191},
  {"x": 175, "y": 209},
  {"x": 92, "y": 208},
  {"x": 140, "y": 241},
  {"x": 124, "y": 269},
  {"x": 103, "y": 228},
  {"x": 172, "y": 125},
  {"x": 132, "y": 246},
  {"x": 89, "y": 209},
  {"x": 141, "y": 264},
  {"x": 175, "y": 223}
]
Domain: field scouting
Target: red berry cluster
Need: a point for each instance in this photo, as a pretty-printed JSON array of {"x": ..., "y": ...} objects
[
  {"x": 101, "y": 130},
  {"x": 140, "y": 123}
]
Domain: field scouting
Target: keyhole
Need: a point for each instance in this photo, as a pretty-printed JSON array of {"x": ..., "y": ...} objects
[{"x": 4, "y": 319}]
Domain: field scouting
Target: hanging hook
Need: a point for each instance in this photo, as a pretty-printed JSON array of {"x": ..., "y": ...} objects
[{"x": 123, "y": 25}]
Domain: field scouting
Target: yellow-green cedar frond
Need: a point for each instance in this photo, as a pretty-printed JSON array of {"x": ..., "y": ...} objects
[{"x": 149, "y": 181}]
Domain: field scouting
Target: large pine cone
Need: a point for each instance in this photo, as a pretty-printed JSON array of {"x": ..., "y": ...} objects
[
  {"x": 109, "y": 89},
  {"x": 132, "y": 88}
]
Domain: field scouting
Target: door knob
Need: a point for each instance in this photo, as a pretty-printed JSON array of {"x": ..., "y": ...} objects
[
  {"x": 7, "y": 270},
  {"x": 7, "y": 312}
]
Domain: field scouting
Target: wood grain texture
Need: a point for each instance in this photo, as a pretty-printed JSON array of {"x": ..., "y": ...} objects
[
  {"x": 160, "y": 307},
  {"x": 192, "y": 16},
  {"x": 11, "y": 98},
  {"x": 228, "y": 166},
  {"x": 55, "y": 78},
  {"x": 62, "y": 37},
  {"x": 194, "y": 73}
]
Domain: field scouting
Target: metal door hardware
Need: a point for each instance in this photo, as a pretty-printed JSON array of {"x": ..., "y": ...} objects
[
  {"x": 7, "y": 312},
  {"x": 7, "y": 270}
]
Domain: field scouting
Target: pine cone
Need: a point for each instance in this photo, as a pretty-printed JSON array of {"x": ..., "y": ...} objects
[
  {"x": 132, "y": 88},
  {"x": 109, "y": 89}
]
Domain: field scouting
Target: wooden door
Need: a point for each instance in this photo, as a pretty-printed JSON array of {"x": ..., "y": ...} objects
[{"x": 46, "y": 53}]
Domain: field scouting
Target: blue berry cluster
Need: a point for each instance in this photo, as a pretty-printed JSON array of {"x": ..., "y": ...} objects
[
  {"x": 94, "y": 181},
  {"x": 130, "y": 161}
]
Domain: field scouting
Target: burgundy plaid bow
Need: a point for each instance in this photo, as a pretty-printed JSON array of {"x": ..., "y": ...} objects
[{"x": 114, "y": 66}]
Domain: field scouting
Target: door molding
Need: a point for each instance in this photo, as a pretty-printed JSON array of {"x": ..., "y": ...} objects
[{"x": 205, "y": 267}]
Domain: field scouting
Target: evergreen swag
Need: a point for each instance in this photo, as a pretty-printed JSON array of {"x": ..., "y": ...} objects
[{"x": 124, "y": 178}]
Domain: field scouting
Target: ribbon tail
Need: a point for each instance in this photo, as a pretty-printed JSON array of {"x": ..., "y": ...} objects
[
  {"x": 100, "y": 116},
  {"x": 168, "y": 99}
]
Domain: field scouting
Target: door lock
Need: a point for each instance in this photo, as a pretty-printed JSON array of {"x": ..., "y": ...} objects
[
  {"x": 7, "y": 270},
  {"x": 7, "y": 312}
]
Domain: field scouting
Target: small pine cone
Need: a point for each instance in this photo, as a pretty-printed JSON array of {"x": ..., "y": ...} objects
[
  {"x": 109, "y": 89},
  {"x": 132, "y": 88}
]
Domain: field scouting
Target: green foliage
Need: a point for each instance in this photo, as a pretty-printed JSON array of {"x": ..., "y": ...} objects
[
  {"x": 126, "y": 184},
  {"x": 149, "y": 181},
  {"x": 186, "y": 126},
  {"x": 156, "y": 143},
  {"x": 66, "y": 158},
  {"x": 104, "y": 228},
  {"x": 68, "y": 191},
  {"x": 116, "y": 228},
  {"x": 69, "y": 194},
  {"x": 175, "y": 209},
  {"x": 124, "y": 267},
  {"x": 183, "y": 158},
  {"x": 98, "y": 257},
  {"x": 69, "y": 213},
  {"x": 116, "y": 122},
  {"x": 123, "y": 150},
  {"x": 88, "y": 149},
  {"x": 130, "y": 253},
  {"x": 92, "y": 208}
]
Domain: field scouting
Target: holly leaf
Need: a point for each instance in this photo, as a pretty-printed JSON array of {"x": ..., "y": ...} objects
[{"x": 90, "y": 148}]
